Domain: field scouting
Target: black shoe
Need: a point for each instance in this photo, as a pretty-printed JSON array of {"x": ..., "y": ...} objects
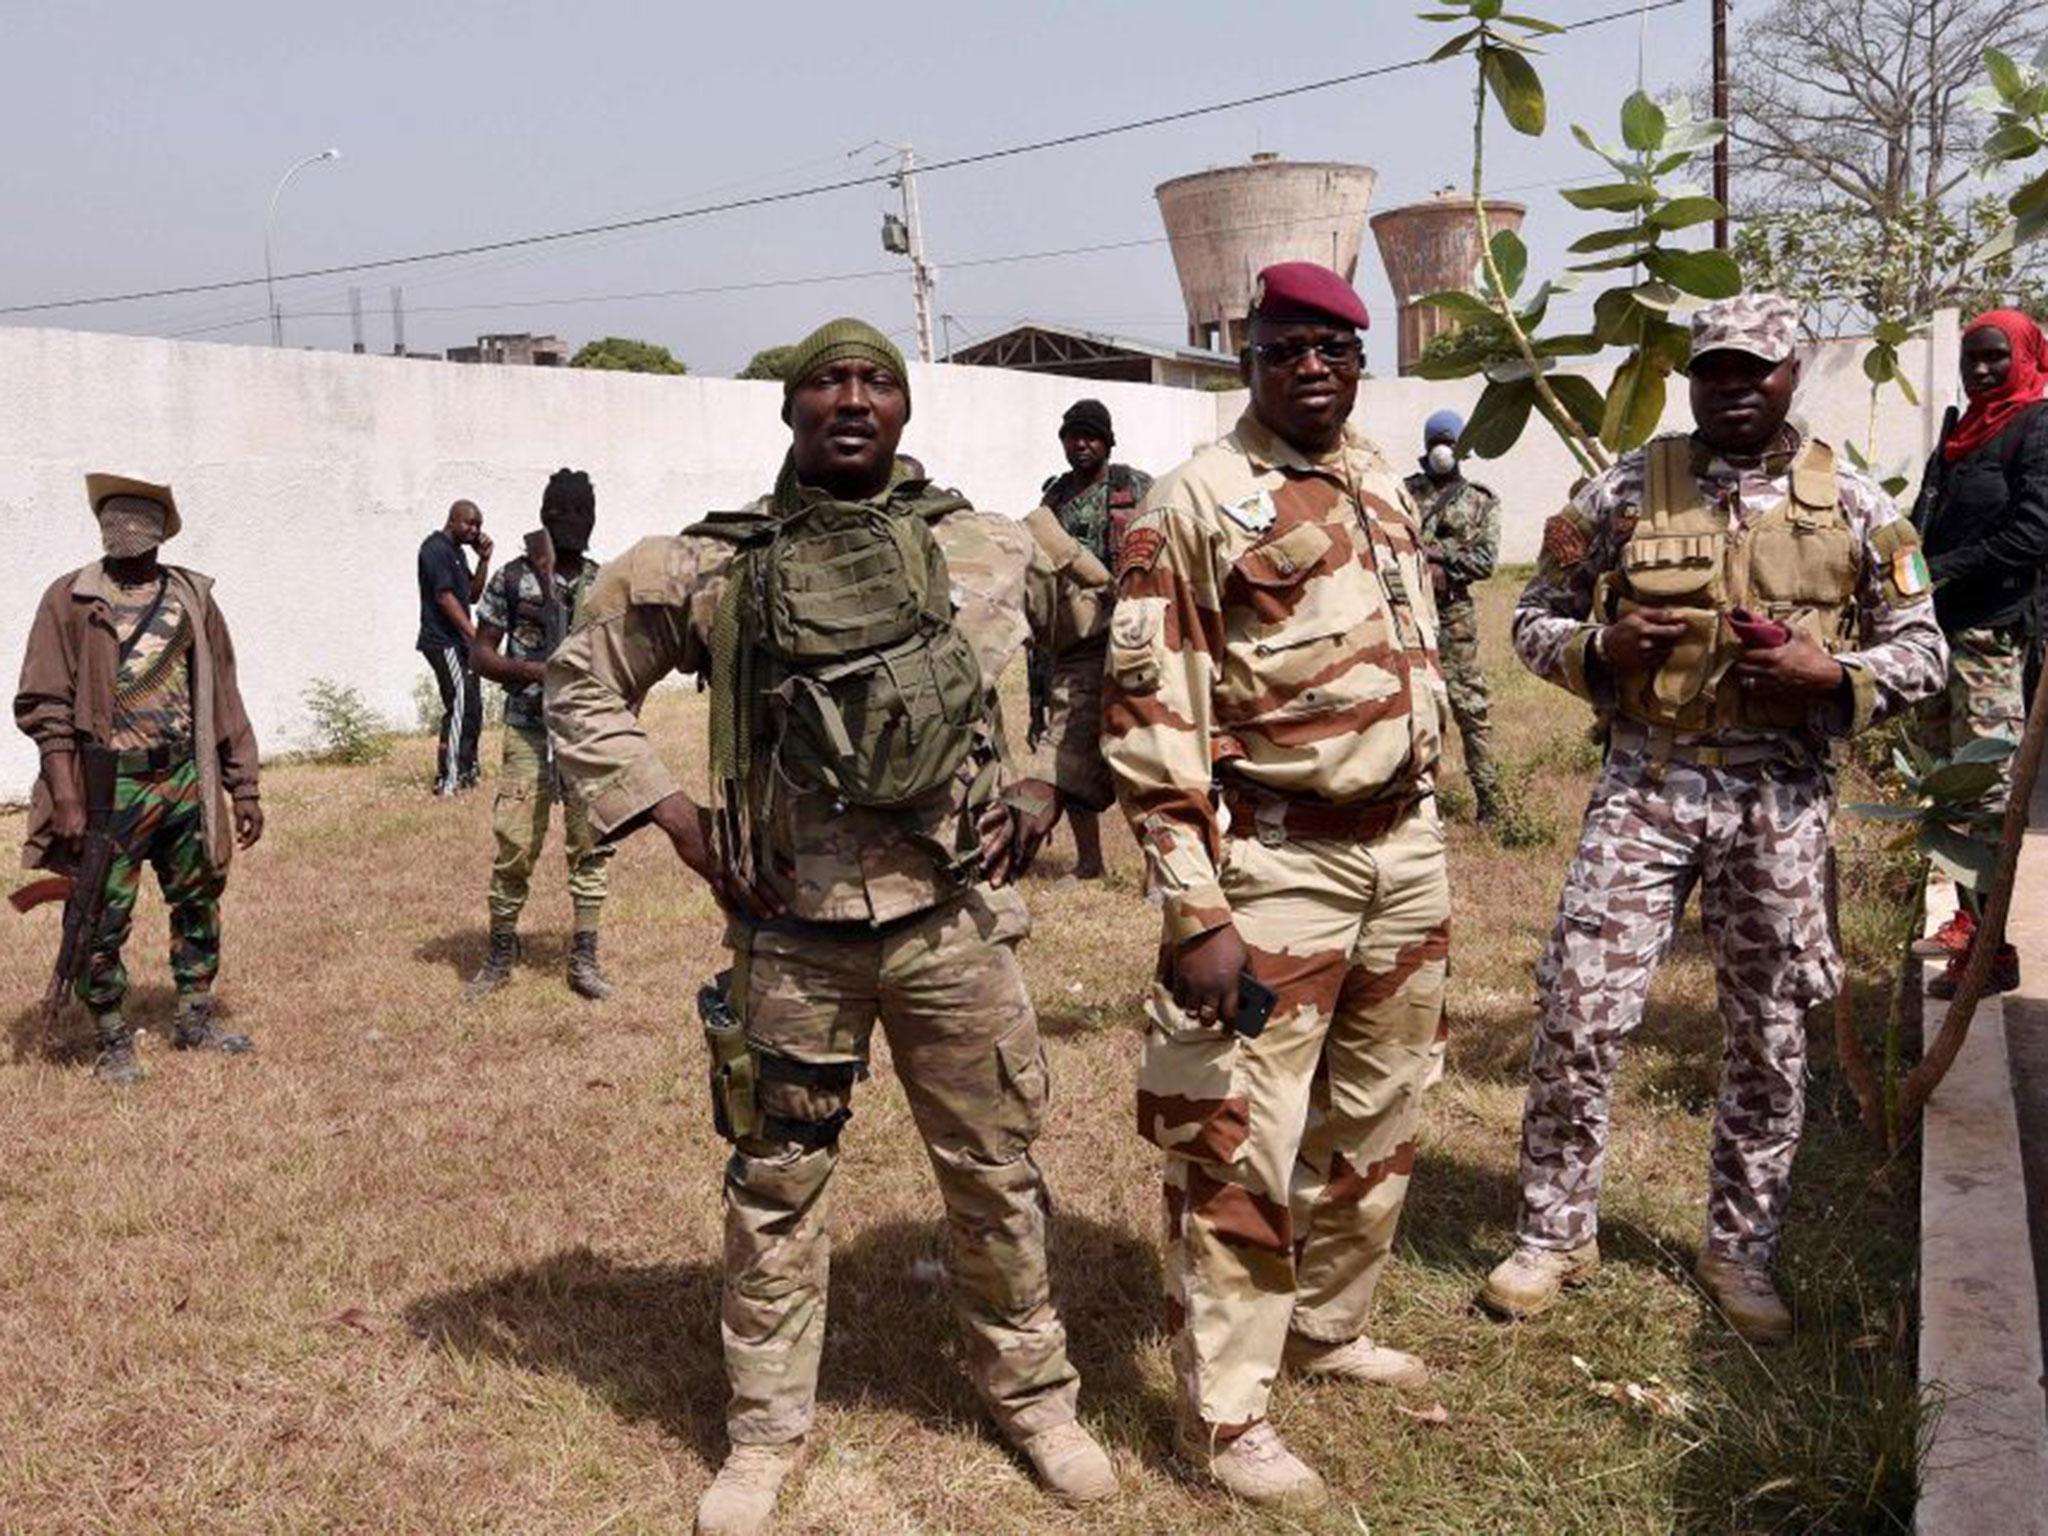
[
  {"x": 497, "y": 967},
  {"x": 586, "y": 977},
  {"x": 194, "y": 1028}
]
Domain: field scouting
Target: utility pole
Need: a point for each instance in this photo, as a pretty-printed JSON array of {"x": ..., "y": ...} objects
[
  {"x": 920, "y": 274},
  {"x": 1721, "y": 111}
]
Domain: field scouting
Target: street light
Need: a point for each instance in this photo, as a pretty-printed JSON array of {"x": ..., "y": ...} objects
[{"x": 270, "y": 282}]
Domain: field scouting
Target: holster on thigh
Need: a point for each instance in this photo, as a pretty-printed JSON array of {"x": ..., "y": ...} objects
[{"x": 761, "y": 1095}]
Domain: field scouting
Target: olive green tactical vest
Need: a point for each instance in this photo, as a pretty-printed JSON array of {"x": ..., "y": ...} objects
[
  {"x": 836, "y": 661},
  {"x": 1799, "y": 563}
]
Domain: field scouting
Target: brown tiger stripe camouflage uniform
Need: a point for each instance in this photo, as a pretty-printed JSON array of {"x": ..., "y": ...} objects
[{"x": 1273, "y": 649}]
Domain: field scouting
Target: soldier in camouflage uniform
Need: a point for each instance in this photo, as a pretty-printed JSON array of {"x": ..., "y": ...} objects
[
  {"x": 132, "y": 657},
  {"x": 1461, "y": 538},
  {"x": 845, "y": 912},
  {"x": 1092, "y": 504},
  {"x": 1731, "y": 602},
  {"x": 1273, "y": 661},
  {"x": 528, "y": 610}
]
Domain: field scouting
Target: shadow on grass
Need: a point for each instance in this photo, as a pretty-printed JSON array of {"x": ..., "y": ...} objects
[
  {"x": 644, "y": 1338},
  {"x": 71, "y": 1038},
  {"x": 462, "y": 950}
]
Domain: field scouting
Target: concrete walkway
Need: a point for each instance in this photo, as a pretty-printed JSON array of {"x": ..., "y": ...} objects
[{"x": 1984, "y": 1172}]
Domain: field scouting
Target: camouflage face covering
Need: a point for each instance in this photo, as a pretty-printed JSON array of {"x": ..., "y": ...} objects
[{"x": 130, "y": 526}]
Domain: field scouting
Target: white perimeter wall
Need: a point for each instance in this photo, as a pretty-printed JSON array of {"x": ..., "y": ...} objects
[{"x": 308, "y": 479}]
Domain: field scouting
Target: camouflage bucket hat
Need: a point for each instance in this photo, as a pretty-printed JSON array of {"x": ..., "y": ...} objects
[{"x": 1764, "y": 325}]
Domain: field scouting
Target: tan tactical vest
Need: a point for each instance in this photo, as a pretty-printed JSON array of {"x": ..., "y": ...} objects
[{"x": 1799, "y": 563}]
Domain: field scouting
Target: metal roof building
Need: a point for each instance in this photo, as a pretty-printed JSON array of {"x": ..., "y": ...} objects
[{"x": 1036, "y": 346}]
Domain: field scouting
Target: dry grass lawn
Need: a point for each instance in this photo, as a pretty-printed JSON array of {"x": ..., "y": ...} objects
[{"x": 422, "y": 1268}]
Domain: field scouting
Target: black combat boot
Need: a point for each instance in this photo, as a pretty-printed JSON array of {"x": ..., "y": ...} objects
[
  {"x": 497, "y": 967},
  {"x": 586, "y": 977},
  {"x": 117, "y": 1062},
  {"x": 194, "y": 1028}
]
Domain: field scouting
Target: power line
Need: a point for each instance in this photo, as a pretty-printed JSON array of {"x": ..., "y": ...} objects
[{"x": 819, "y": 189}]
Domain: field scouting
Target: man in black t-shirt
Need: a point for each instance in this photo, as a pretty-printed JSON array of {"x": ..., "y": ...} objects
[{"x": 448, "y": 588}]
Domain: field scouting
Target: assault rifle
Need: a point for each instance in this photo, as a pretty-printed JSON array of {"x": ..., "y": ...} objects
[
  {"x": 554, "y": 621},
  {"x": 84, "y": 890}
]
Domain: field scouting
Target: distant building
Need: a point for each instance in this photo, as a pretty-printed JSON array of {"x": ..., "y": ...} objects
[
  {"x": 1034, "y": 346},
  {"x": 521, "y": 350}
]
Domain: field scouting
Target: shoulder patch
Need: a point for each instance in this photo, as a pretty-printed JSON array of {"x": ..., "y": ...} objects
[
  {"x": 1566, "y": 541},
  {"x": 1140, "y": 550}
]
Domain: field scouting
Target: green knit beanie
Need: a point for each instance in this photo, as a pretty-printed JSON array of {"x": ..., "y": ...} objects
[{"x": 843, "y": 338}]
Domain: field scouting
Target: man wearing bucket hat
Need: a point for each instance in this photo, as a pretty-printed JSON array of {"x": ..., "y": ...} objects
[
  {"x": 1080, "y": 525},
  {"x": 1731, "y": 602},
  {"x": 131, "y": 657},
  {"x": 1461, "y": 537},
  {"x": 853, "y": 624},
  {"x": 1273, "y": 658}
]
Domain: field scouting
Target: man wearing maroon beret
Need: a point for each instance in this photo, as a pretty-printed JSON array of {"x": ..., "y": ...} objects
[{"x": 1273, "y": 713}]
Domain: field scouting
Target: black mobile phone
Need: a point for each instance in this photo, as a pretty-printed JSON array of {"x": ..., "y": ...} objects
[{"x": 1255, "y": 1002}]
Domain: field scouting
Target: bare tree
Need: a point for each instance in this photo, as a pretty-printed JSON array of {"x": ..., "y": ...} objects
[{"x": 1861, "y": 109}]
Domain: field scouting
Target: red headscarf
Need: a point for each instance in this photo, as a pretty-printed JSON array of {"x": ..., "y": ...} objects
[{"x": 1991, "y": 414}]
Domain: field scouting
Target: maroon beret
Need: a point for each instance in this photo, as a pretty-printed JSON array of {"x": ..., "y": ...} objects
[{"x": 1301, "y": 290}]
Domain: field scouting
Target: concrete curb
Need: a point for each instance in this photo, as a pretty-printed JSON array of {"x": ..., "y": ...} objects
[{"x": 1980, "y": 1332}]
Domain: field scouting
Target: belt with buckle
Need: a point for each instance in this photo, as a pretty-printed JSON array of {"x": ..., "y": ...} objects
[{"x": 1274, "y": 819}]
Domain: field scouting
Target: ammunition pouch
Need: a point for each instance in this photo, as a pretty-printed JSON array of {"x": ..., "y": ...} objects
[
  {"x": 1797, "y": 563},
  {"x": 741, "y": 1067}
]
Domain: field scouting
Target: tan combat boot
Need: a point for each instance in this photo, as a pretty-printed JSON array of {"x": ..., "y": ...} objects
[
  {"x": 1256, "y": 1466},
  {"x": 741, "y": 1499},
  {"x": 1747, "y": 1298},
  {"x": 1530, "y": 1280},
  {"x": 1073, "y": 1468},
  {"x": 1360, "y": 1360}
]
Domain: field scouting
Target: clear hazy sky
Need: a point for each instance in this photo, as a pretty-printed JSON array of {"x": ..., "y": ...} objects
[{"x": 144, "y": 140}]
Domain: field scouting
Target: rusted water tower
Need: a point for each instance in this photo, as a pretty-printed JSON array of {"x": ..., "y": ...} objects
[
  {"x": 1225, "y": 225},
  {"x": 1428, "y": 247}
]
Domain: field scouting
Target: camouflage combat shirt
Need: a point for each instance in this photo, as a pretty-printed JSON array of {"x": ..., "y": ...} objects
[
  {"x": 1274, "y": 625},
  {"x": 512, "y": 602},
  {"x": 1460, "y": 523},
  {"x": 1901, "y": 657},
  {"x": 1097, "y": 514},
  {"x": 651, "y": 614}
]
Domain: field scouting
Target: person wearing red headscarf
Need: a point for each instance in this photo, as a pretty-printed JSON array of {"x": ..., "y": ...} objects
[{"x": 1983, "y": 514}]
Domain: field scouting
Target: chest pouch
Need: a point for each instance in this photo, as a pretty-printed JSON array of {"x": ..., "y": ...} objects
[{"x": 870, "y": 689}]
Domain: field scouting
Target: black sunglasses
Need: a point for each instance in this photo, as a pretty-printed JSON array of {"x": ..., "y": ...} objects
[{"x": 1339, "y": 353}]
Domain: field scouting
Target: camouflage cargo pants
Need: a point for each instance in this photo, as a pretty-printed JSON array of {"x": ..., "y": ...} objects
[
  {"x": 1288, "y": 1156},
  {"x": 951, "y": 999},
  {"x": 158, "y": 820},
  {"x": 1985, "y": 697},
  {"x": 528, "y": 789},
  {"x": 1070, "y": 753},
  {"x": 1754, "y": 840},
  {"x": 1471, "y": 705}
]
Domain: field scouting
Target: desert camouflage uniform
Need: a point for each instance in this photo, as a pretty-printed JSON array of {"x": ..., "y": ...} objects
[
  {"x": 1742, "y": 813},
  {"x": 529, "y": 783},
  {"x": 1461, "y": 522},
  {"x": 1274, "y": 646},
  {"x": 1069, "y": 752},
  {"x": 875, "y": 930}
]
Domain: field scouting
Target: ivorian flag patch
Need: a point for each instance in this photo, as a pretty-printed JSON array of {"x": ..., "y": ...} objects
[{"x": 1909, "y": 572}]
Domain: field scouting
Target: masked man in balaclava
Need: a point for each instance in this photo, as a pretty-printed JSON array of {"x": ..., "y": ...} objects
[
  {"x": 129, "y": 662},
  {"x": 526, "y": 610}
]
